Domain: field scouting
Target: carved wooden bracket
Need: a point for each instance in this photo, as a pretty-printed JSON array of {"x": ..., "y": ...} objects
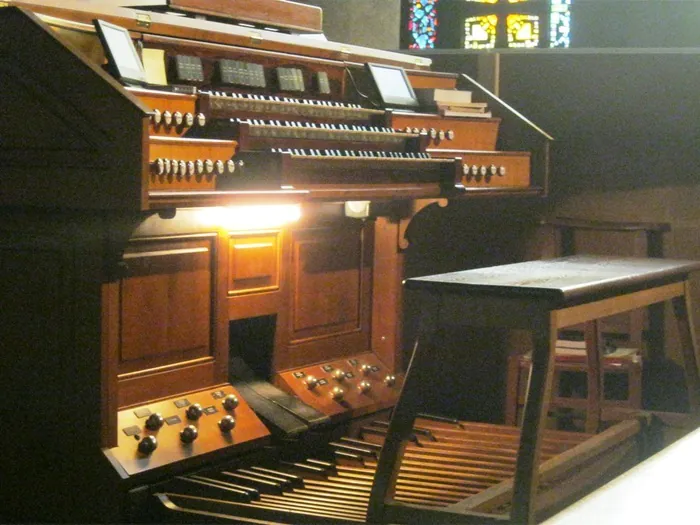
[{"x": 416, "y": 207}]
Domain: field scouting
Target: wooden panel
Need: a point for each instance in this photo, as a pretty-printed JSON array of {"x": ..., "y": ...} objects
[
  {"x": 51, "y": 270},
  {"x": 200, "y": 163},
  {"x": 165, "y": 304},
  {"x": 65, "y": 119},
  {"x": 427, "y": 79},
  {"x": 195, "y": 29},
  {"x": 161, "y": 102},
  {"x": 330, "y": 281},
  {"x": 387, "y": 293},
  {"x": 326, "y": 284},
  {"x": 171, "y": 336},
  {"x": 254, "y": 263},
  {"x": 279, "y": 13},
  {"x": 491, "y": 169},
  {"x": 469, "y": 133}
]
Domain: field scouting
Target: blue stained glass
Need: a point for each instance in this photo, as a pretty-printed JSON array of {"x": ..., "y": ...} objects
[
  {"x": 423, "y": 23},
  {"x": 560, "y": 23}
]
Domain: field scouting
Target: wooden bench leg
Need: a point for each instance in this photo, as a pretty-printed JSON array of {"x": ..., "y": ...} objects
[{"x": 535, "y": 418}]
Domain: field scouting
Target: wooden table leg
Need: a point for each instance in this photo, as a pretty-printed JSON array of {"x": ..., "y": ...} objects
[
  {"x": 535, "y": 419},
  {"x": 689, "y": 346},
  {"x": 594, "y": 376}
]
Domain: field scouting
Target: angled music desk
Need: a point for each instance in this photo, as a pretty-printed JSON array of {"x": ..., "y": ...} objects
[{"x": 541, "y": 296}]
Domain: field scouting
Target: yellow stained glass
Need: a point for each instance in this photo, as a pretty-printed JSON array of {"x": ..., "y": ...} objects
[
  {"x": 480, "y": 32},
  {"x": 523, "y": 30},
  {"x": 483, "y": 1}
]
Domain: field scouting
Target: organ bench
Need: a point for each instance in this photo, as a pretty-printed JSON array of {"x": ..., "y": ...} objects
[{"x": 541, "y": 296}]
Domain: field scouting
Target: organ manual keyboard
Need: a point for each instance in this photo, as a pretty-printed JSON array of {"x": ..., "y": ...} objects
[{"x": 205, "y": 248}]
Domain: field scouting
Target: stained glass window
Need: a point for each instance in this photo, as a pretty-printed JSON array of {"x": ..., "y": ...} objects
[
  {"x": 422, "y": 23},
  {"x": 489, "y": 24}
]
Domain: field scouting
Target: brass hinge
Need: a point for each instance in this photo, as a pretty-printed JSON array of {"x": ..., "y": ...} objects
[{"x": 143, "y": 20}]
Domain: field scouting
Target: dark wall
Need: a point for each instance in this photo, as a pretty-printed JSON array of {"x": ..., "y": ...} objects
[
  {"x": 635, "y": 23},
  {"x": 621, "y": 120}
]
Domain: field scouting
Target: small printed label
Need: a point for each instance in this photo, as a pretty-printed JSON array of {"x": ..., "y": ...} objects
[
  {"x": 142, "y": 412},
  {"x": 132, "y": 430}
]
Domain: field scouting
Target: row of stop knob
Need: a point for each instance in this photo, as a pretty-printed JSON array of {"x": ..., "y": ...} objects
[
  {"x": 435, "y": 134},
  {"x": 476, "y": 172},
  {"x": 190, "y": 432},
  {"x": 337, "y": 392},
  {"x": 177, "y": 118},
  {"x": 189, "y": 168}
]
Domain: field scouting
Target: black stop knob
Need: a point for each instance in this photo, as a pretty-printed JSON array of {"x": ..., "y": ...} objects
[
  {"x": 147, "y": 445},
  {"x": 188, "y": 434},
  {"x": 227, "y": 423},
  {"x": 230, "y": 402},
  {"x": 154, "y": 421},
  {"x": 194, "y": 412}
]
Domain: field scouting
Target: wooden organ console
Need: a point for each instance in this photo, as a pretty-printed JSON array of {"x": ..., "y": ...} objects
[{"x": 185, "y": 285}]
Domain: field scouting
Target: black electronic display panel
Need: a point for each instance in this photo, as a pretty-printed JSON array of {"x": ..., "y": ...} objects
[
  {"x": 188, "y": 69},
  {"x": 239, "y": 73},
  {"x": 393, "y": 86},
  {"x": 123, "y": 61}
]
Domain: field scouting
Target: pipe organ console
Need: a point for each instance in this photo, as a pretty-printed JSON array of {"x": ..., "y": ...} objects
[{"x": 187, "y": 288}]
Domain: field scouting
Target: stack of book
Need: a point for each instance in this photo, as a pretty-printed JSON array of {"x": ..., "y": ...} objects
[
  {"x": 575, "y": 351},
  {"x": 452, "y": 103}
]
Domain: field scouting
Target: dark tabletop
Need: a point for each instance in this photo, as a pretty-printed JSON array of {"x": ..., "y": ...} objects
[{"x": 564, "y": 279}]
